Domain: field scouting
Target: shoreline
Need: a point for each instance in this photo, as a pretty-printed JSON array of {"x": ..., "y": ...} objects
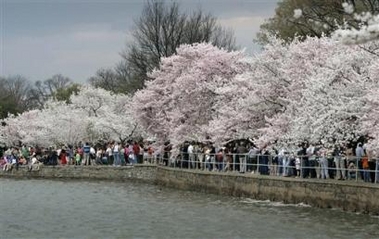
[{"x": 345, "y": 195}]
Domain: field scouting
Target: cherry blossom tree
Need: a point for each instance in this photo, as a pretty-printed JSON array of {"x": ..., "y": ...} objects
[
  {"x": 93, "y": 114},
  {"x": 57, "y": 123},
  {"x": 26, "y": 128},
  {"x": 65, "y": 123},
  {"x": 315, "y": 90},
  {"x": 259, "y": 92},
  {"x": 333, "y": 102},
  {"x": 329, "y": 104},
  {"x": 181, "y": 100},
  {"x": 108, "y": 115},
  {"x": 312, "y": 90},
  {"x": 370, "y": 119}
]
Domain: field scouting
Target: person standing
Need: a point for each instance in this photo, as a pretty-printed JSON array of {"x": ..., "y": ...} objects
[
  {"x": 184, "y": 162},
  {"x": 126, "y": 154},
  {"x": 220, "y": 160},
  {"x": 63, "y": 157},
  {"x": 136, "y": 151},
  {"x": 78, "y": 158},
  {"x": 109, "y": 153},
  {"x": 207, "y": 158},
  {"x": 166, "y": 153},
  {"x": 132, "y": 157},
  {"x": 242, "y": 153},
  {"x": 285, "y": 159},
  {"x": 25, "y": 152},
  {"x": 301, "y": 152},
  {"x": 324, "y": 164},
  {"x": 86, "y": 152},
  {"x": 191, "y": 155},
  {"x": 92, "y": 155},
  {"x": 366, "y": 168},
  {"x": 359, "y": 153},
  {"x": 116, "y": 155},
  {"x": 252, "y": 162},
  {"x": 99, "y": 156},
  {"x": 310, "y": 152},
  {"x": 339, "y": 160},
  {"x": 263, "y": 161},
  {"x": 70, "y": 155},
  {"x": 297, "y": 165}
]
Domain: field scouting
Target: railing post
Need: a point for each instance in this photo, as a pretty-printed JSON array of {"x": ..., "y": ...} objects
[
  {"x": 376, "y": 170},
  {"x": 258, "y": 162},
  {"x": 234, "y": 163},
  {"x": 356, "y": 169}
]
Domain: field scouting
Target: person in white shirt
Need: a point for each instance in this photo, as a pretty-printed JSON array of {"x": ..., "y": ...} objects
[
  {"x": 99, "y": 156},
  {"x": 116, "y": 155},
  {"x": 297, "y": 165},
  {"x": 191, "y": 155},
  {"x": 92, "y": 155},
  {"x": 35, "y": 164},
  {"x": 109, "y": 154},
  {"x": 310, "y": 151},
  {"x": 253, "y": 159}
]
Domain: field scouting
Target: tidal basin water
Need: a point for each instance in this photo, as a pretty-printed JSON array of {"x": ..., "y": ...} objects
[{"x": 82, "y": 209}]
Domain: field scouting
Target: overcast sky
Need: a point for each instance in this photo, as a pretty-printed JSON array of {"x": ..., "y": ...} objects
[{"x": 75, "y": 38}]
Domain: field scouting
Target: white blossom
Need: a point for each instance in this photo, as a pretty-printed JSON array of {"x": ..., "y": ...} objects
[
  {"x": 297, "y": 13},
  {"x": 348, "y": 8},
  {"x": 368, "y": 29}
]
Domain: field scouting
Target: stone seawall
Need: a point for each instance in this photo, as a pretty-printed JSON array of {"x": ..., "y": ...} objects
[
  {"x": 145, "y": 173},
  {"x": 345, "y": 195}
]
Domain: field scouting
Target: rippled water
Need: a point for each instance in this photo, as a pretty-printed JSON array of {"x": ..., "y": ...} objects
[{"x": 69, "y": 209}]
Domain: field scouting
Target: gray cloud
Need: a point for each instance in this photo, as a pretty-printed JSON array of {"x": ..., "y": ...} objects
[
  {"x": 77, "y": 52},
  {"x": 76, "y": 38}
]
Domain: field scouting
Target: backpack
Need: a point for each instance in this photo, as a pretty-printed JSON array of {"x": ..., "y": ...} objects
[{"x": 365, "y": 164}]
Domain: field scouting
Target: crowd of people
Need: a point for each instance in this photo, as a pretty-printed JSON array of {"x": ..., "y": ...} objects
[
  {"x": 341, "y": 162},
  {"x": 112, "y": 153}
]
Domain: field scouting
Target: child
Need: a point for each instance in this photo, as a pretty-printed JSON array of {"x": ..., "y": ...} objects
[
  {"x": 77, "y": 158},
  {"x": 351, "y": 170}
]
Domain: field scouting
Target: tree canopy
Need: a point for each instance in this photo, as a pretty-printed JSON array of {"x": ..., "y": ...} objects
[
  {"x": 317, "y": 90},
  {"x": 18, "y": 94},
  {"x": 158, "y": 32},
  {"x": 317, "y": 18}
]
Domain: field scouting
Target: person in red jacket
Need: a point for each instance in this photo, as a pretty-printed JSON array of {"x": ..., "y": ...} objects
[
  {"x": 62, "y": 157},
  {"x": 136, "y": 150}
]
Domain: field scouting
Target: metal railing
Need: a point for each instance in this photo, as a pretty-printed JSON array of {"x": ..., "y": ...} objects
[{"x": 317, "y": 167}]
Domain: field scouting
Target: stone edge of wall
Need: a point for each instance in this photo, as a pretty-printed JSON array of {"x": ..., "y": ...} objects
[
  {"x": 344, "y": 195},
  {"x": 146, "y": 173}
]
